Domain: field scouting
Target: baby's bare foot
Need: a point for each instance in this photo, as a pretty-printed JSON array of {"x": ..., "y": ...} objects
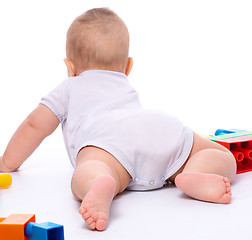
[
  {"x": 206, "y": 187},
  {"x": 96, "y": 204}
]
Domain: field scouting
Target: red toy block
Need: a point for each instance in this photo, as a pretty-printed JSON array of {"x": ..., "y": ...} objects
[
  {"x": 241, "y": 147},
  {"x": 13, "y": 227}
]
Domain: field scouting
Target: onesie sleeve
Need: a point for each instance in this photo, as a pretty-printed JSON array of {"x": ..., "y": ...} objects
[{"x": 57, "y": 101}]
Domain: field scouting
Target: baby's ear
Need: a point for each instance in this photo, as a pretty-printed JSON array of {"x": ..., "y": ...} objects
[
  {"x": 70, "y": 67},
  {"x": 129, "y": 66}
]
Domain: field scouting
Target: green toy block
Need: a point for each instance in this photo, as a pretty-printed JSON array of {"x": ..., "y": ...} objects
[{"x": 230, "y": 135}]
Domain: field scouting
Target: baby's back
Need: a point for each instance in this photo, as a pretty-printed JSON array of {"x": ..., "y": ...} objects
[
  {"x": 101, "y": 109},
  {"x": 89, "y": 103}
]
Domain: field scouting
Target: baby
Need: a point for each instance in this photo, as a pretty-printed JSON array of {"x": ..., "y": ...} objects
[{"x": 112, "y": 142}]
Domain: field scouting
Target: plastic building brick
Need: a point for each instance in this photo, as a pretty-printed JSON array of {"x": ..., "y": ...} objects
[
  {"x": 230, "y": 135},
  {"x": 224, "y": 131},
  {"x": 13, "y": 227},
  {"x": 23, "y": 227},
  {"x": 44, "y": 231},
  {"x": 241, "y": 147},
  {"x": 5, "y": 180}
]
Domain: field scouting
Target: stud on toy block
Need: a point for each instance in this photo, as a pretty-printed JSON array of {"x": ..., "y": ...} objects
[
  {"x": 23, "y": 227},
  {"x": 5, "y": 180}
]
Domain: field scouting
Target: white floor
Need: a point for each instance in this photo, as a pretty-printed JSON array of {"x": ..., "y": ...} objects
[{"x": 42, "y": 187}]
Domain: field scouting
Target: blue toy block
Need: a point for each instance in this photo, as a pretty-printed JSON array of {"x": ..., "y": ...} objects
[{"x": 44, "y": 231}]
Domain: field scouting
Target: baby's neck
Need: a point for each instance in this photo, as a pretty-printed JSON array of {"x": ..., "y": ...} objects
[{"x": 98, "y": 68}]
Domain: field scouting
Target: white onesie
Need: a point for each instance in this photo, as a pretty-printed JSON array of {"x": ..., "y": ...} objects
[{"x": 100, "y": 108}]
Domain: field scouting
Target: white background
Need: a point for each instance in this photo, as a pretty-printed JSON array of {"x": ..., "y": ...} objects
[{"x": 192, "y": 59}]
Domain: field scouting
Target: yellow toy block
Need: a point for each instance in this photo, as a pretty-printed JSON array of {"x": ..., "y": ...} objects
[{"x": 5, "y": 180}]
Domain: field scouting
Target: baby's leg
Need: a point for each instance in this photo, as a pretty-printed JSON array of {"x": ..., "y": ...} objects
[
  {"x": 208, "y": 172},
  {"x": 97, "y": 179}
]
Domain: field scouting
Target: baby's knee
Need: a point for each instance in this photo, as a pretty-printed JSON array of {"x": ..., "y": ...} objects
[
  {"x": 90, "y": 170},
  {"x": 228, "y": 161},
  {"x": 231, "y": 161},
  {"x": 86, "y": 174}
]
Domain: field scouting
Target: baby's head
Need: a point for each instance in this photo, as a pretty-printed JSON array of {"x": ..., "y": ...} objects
[{"x": 98, "y": 39}]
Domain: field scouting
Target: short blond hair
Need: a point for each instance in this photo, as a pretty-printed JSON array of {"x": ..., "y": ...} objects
[{"x": 98, "y": 38}]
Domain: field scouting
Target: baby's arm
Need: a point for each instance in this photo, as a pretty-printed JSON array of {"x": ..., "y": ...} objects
[{"x": 37, "y": 126}]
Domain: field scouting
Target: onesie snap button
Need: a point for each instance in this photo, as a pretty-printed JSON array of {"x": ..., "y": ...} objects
[
  {"x": 163, "y": 178},
  {"x": 136, "y": 180},
  {"x": 151, "y": 182}
]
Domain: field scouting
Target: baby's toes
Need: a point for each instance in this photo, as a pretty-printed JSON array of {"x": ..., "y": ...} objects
[
  {"x": 226, "y": 181},
  {"x": 229, "y": 190},
  {"x": 92, "y": 226},
  {"x": 101, "y": 224},
  {"x": 226, "y": 198},
  {"x": 82, "y": 210},
  {"x": 228, "y": 187},
  {"x": 89, "y": 220},
  {"x": 86, "y": 215}
]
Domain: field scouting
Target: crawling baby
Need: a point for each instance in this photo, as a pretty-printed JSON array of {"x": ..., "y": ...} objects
[{"x": 112, "y": 142}]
